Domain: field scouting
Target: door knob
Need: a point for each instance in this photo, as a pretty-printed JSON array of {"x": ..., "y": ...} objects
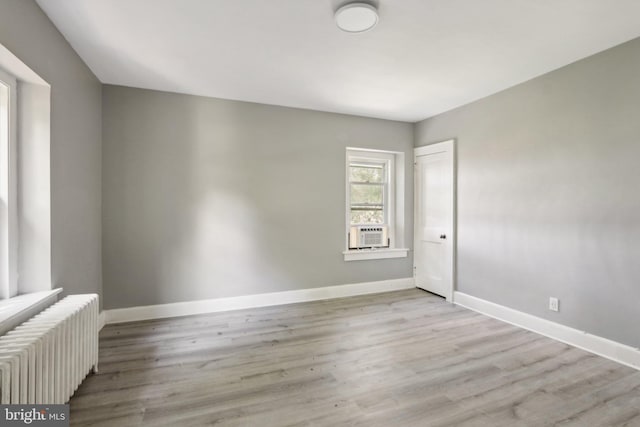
[{"x": 443, "y": 236}]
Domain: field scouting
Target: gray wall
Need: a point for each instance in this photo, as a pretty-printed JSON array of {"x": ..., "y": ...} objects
[
  {"x": 207, "y": 198},
  {"x": 548, "y": 202},
  {"x": 75, "y": 143}
]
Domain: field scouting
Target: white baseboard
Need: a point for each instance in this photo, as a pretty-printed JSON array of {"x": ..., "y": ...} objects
[
  {"x": 101, "y": 320},
  {"x": 613, "y": 350},
  {"x": 252, "y": 301}
]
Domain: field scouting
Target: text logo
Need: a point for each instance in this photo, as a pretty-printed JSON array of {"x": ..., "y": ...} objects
[{"x": 35, "y": 415}]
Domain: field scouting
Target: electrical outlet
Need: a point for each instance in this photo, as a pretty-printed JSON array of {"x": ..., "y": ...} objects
[{"x": 554, "y": 304}]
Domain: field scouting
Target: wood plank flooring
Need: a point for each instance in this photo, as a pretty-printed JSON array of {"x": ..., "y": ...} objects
[{"x": 403, "y": 358}]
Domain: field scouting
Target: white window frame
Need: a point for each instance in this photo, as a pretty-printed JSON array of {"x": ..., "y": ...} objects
[
  {"x": 393, "y": 205},
  {"x": 387, "y": 160},
  {"x": 8, "y": 190}
]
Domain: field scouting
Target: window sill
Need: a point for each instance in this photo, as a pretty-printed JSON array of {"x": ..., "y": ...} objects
[
  {"x": 18, "y": 309},
  {"x": 366, "y": 254}
]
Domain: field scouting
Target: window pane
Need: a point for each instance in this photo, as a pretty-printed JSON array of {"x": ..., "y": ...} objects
[
  {"x": 367, "y": 217},
  {"x": 363, "y": 194},
  {"x": 366, "y": 173}
]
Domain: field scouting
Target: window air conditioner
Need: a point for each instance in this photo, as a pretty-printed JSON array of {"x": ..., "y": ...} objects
[{"x": 368, "y": 236}]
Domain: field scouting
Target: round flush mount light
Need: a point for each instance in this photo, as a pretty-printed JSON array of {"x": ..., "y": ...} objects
[{"x": 356, "y": 17}]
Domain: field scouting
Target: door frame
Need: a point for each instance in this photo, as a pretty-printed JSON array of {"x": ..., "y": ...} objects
[{"x": 440, "y": 147}]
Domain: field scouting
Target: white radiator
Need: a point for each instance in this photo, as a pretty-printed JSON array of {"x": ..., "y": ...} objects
[{"x": 44, "y": 360}]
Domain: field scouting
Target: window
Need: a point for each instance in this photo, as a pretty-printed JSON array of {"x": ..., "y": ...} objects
[
  {"x": 25, "y": 227},
  {"x": 25, "y": 257},
  {"x": 374, "y": 204},
  {"x": 8, "y": 206},
  {"x": 368, "y": 191}
]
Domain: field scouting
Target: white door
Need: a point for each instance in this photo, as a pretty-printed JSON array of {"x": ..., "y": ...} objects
[{"x": 434, "y": 218}]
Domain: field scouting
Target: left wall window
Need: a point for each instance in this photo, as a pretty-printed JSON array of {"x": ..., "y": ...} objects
[
  {"x": 374, "y": 204},
  {"x": 8, "y": 187}
]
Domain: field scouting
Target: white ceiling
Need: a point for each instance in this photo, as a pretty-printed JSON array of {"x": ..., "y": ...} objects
[{"x": 424, "y": 57}]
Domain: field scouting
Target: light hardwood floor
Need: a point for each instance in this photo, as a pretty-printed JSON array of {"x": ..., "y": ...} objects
[{"x": 403, "y": 358}]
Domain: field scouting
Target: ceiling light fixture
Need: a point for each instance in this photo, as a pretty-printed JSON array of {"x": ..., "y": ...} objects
[{"x": 356, "y": 17}]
